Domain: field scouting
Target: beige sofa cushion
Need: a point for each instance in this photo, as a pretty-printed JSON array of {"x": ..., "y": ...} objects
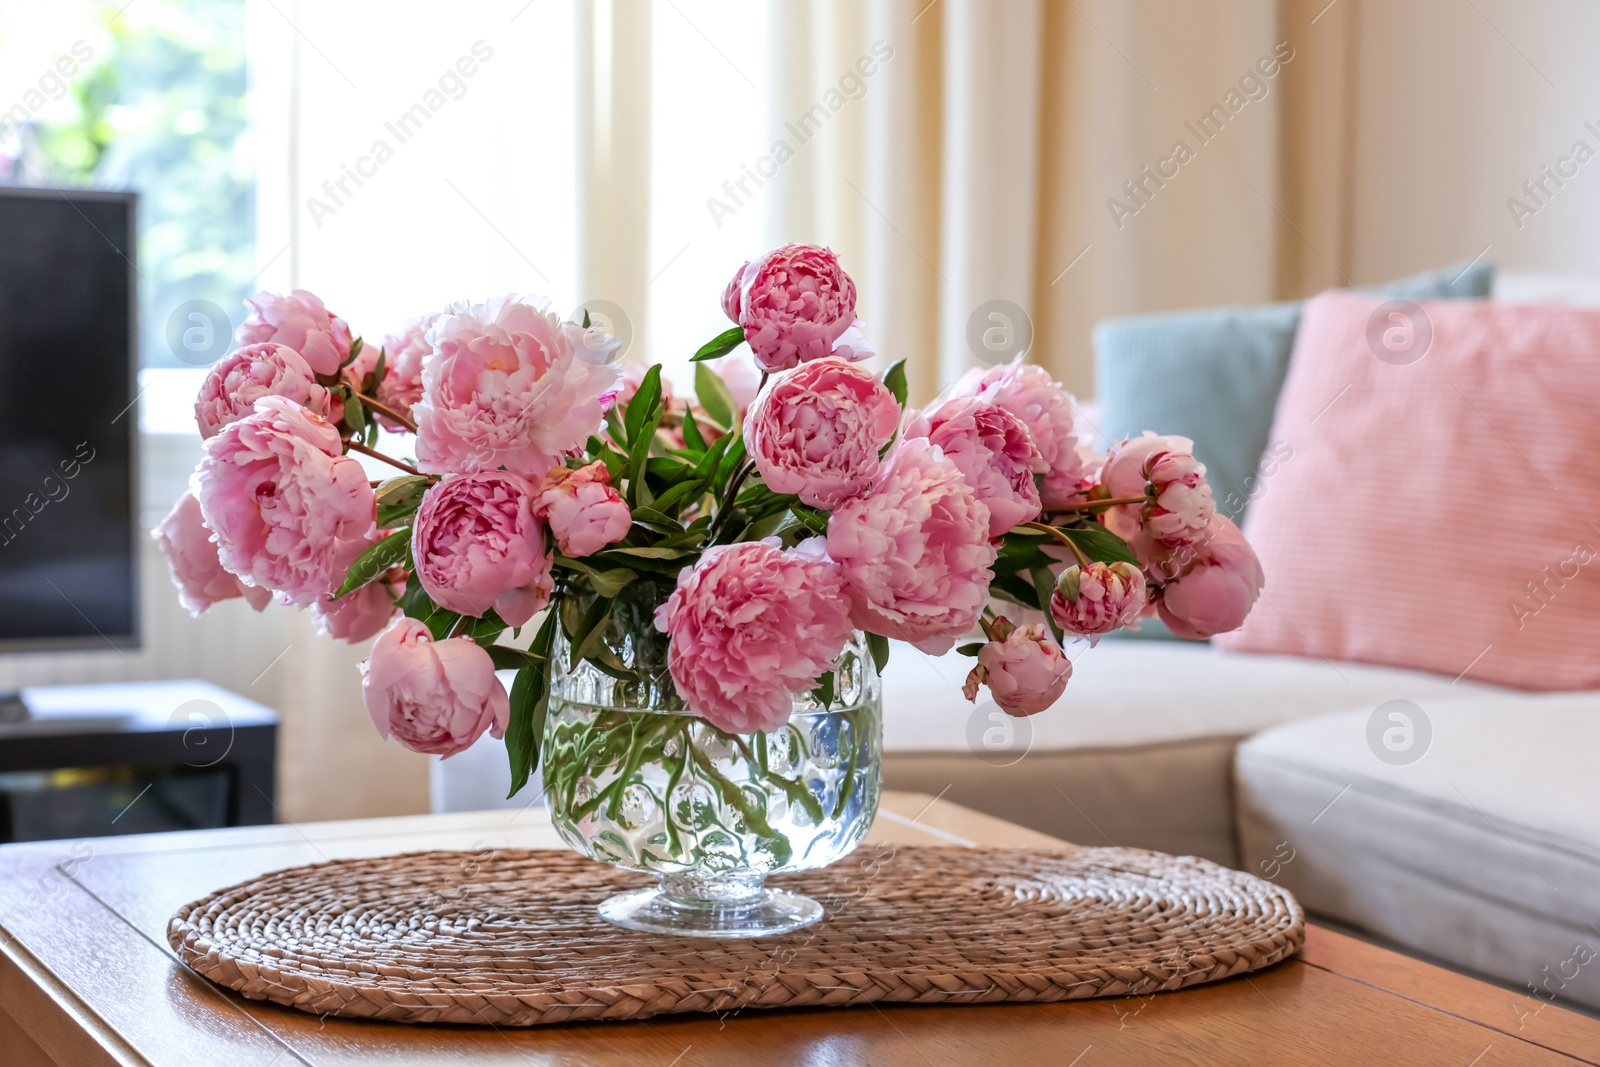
[
  {"x": 1483, "y": 852},
  {"x": 1139, "y": 750}
]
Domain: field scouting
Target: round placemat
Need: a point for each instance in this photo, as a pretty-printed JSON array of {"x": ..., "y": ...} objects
[{"x": 511, "y": 937}]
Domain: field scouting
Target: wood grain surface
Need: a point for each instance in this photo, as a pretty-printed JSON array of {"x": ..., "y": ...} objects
[{"x": 86, "y": 979}]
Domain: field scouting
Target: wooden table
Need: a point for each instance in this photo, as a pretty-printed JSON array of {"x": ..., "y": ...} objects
[{"x": 86, "y": 979}]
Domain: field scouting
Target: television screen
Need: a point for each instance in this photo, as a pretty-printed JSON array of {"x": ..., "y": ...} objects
[{"x": 68, "y": 559}]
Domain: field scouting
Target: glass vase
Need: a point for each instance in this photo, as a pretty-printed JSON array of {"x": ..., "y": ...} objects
[{"x": 633, "y": 779}]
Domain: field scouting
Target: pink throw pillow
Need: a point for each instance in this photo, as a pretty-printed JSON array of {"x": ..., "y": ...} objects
[{"x": 1441, "y": 508}]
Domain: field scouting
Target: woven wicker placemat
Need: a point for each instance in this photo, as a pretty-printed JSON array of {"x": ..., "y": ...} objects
[{"x": 512, "y": 937}]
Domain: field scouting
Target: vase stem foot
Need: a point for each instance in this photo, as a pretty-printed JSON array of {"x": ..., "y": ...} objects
[{"x": 725, "y": 907}]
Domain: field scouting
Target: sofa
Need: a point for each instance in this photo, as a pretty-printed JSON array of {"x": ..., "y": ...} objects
[{"x": 1454, "y": 819}]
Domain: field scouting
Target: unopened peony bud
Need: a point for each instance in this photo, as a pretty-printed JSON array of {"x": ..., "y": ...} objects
[{"x": 1094, "y": 600}]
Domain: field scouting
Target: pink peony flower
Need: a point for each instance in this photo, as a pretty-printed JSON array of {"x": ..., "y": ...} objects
[
  {"x": 1219, "y": 579},
  {"x": 1025, "y": 670},
  {"x": 733, "y": 294},
  {"x": 817, "y": 429},
  {"x": 300, "y": 321},
  {"x": 432, "y": 696},
  {"x": 506, "y": 387},
  {"x": 750, "y": 625},
  {"x": 192, "y": 557},
  {"x": 582, "y": 509},
  {"x": 743, "y": 383},
  {"x": 1046, "y": 409},
  {"x": 245, "y": 375},
  {"x": 477, "y": 545},
  {"x": 404, "y": 353},
  {"x": 1164, "y": 468},
  {"x": 994, "y": 451},
  {"x": 853, "y": 346},
  {"x": 915, "y": 550},
  {"x": 1097, "y": 599},
  {"x": 362, "y": 612},
  {"x": 794, "y": 303},
  {"x": 281, "y": 498}
]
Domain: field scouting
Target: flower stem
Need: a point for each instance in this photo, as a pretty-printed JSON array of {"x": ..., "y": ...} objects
[
  {"x": 1089, "y": 505},
  {"x": 385, "y": 409},
  {"x": 357, "y": 446},
  {"x": 728, "y": 497},
  {"x": 1083, "y": 560}
]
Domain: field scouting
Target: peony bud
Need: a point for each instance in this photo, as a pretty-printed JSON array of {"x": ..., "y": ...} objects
[{"x": 1094, "y": 600}]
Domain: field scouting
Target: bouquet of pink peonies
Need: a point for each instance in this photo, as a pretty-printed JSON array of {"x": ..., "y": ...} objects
[{"x": 741, "y": 539}]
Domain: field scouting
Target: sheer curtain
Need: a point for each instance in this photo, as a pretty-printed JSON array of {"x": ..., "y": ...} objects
[{"x": 954, "y": 152}]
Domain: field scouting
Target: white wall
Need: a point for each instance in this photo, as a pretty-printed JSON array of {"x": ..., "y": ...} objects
[{"x": 1456, "y": 105}]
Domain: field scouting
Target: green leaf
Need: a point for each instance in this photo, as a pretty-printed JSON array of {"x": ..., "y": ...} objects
[
  {"x": 588, "y": 629},
  {"x": 816, "y": 521},
  {"x": 672, "y": 497},
  {"x": 643, "y": 404},
  {"x": 375, "y": 560},
  {"x": 606, "y": 582},
  {"x": 638, "y": 456},
  {"x": 824, "y": 690},
  {"x": 399, "y": 497},
  {"x": 1013, "y": 588},
  {"x": 969, "y": 649},
  {"x": 731, "y": 460},
  {"x": 668, "y": 469},
  {"x": 507, "y": 658},
  {"x": 714, "y": 397},
  {"x": 1100, "y": 544},
  {"x": 1044, "y": 584},
  {"x": 647, "y": 552},
  {"x": 797, "y": 793},
  {"x": 530, "y": 700},
  {"x": 775, "y": 525},
  {"x": 415, "y": 603},
  {"x": 651, "y": 519},
  {"x": 355, "y": 352},
  {"x": 616, "y": 464},
  {"x": 692, "y": 437},
  {"x": 355, "y": 415},
  {"x": 614, "y": 427},
  {"x": 610, "y": 583},
  {"x": 379, "y": 369},
  {"x": 878, "y": 645},
  {"x": 406, "y": 488},
  {"x": 895, "y": 379},
  {"x": 720, "y": 345},
  {"x": 691, "y": 538}
]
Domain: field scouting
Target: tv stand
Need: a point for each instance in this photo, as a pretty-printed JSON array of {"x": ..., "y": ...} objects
[{"x": 75, "y": 758}]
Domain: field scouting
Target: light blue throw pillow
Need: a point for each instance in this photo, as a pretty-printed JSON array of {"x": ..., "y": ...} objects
[{"x": 1213, "y": 376}]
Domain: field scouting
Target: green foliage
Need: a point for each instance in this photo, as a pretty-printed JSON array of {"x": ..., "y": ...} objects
[
  {"x": 389, "y": 552},
  {"x": 530, "y": 702},
  {"x": 1100, "y": 544},
  {"x": 895, "y": 379},
  {"x": 714, "y": 397},
  {"x": 399, "y": 498},
  {"x": 720, "y": 345}
]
